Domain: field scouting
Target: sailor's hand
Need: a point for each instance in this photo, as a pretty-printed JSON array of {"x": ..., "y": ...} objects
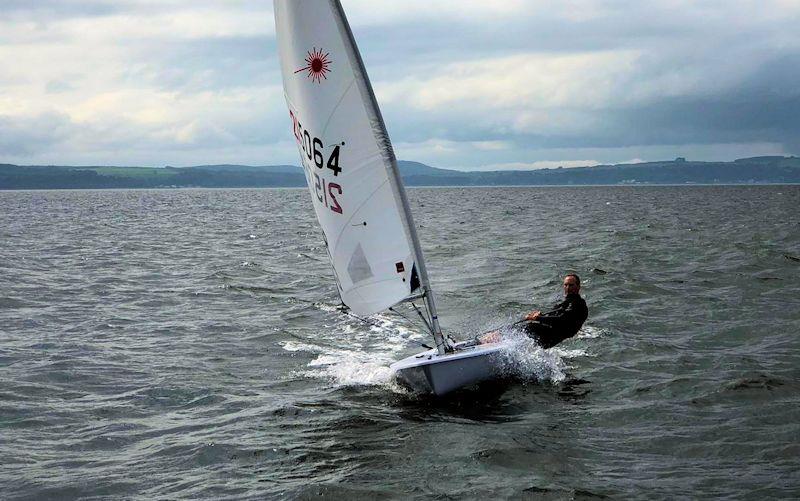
[
  {"x": 533, "y": 315},
  {"x": 489, "y": 337}
]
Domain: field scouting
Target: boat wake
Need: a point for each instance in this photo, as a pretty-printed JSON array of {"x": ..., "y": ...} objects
[{"x": 351, "y": 353}]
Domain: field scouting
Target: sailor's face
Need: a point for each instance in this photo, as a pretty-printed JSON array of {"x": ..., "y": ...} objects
[{"x": 571, "y": 286}]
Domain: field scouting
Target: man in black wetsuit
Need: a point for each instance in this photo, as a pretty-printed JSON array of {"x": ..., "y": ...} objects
[{"x": 550, "y": 328}]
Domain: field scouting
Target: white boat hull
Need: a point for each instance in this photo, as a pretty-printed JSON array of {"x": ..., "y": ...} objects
[{"x": 429, "y": 372}]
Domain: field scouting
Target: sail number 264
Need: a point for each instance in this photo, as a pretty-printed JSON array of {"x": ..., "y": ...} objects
[
  {"x": 313, "y": 147},
  {"x": 313, "y": 150}
]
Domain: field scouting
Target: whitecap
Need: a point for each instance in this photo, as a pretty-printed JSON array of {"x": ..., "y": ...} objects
[
  {"x": 589, "y": 332},
  {"x": 298, "y": 346}
]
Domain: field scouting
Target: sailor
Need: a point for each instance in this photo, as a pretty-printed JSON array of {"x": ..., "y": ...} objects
[{"x": 562, "y": 322}]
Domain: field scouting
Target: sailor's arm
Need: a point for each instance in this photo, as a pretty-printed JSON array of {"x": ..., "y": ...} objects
[
  {"x": 560, "y": 312},
  {"x": 534, "y": 315}
]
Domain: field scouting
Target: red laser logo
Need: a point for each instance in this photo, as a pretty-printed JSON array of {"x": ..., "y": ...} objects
[{"x": 317, "y": 65}]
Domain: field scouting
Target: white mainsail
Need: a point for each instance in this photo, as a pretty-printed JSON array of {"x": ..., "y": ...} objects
[{"x": 348, "y": 160}]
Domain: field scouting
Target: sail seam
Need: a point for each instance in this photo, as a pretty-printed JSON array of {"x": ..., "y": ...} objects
[{"x": 341, "y": 98}]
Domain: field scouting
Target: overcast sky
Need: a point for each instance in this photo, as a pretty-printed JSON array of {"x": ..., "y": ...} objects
[{"x": 462, "y": 84}]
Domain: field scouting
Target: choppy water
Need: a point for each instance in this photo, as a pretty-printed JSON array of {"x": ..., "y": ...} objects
[{"x": 186, "y": 344}]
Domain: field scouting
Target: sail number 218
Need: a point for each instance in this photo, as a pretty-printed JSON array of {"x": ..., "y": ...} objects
[{"x": 325, "y": 190}]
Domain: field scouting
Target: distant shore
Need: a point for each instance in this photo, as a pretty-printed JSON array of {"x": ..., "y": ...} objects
[{"x": 745, "y": 171}]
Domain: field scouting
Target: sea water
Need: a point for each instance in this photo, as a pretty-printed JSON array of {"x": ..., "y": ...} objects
[{"x": 188, "y": 344}]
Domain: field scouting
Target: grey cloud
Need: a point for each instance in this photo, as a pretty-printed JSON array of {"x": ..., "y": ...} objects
[
  {"x": 207, "y": 64},
  {"x": 765, "y": 107},
  {"x": 52, "y": 10},
  {"x": 746, "y": 70},
  {"x": 617, "y": 25},
  {"x": 744, "y": 79},
  {"x": 49, "y": 10},
  {"x": 23, "y": 137},
  {"x": 57, "y": 86}
]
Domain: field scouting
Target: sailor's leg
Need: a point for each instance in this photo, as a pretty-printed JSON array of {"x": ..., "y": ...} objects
[
  {"x": 544, "y": 335},
  {"x": 489, "y": 337}
]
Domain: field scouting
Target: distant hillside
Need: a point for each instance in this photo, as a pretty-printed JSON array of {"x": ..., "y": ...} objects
[
  {"x": 756, "y": 170},
  {"x": 408, "y": 169},
  {"x": 290, "y": 169}
]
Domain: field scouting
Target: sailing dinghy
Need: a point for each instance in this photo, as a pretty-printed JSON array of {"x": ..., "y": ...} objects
[{"x": 357, "y": 192}]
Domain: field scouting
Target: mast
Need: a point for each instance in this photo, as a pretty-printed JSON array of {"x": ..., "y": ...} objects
[
  {"x": 441, "y": 345},
  {"x": 390, "y": 161}
]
